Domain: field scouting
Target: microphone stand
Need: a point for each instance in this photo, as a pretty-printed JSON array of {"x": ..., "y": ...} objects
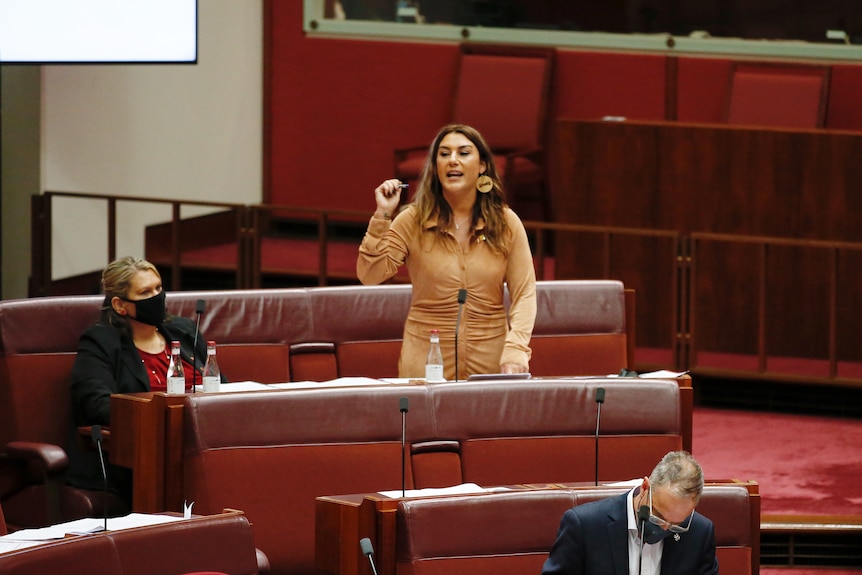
[
  {"x": 97, "y": 439},
  {"x": 403, "y": 406},
  {"x": 600, "y": 399},
  {"x": 643, "y": 515},
  {"x": 199, "y": 310}
]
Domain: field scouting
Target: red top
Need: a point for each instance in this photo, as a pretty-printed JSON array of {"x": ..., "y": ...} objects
[{"x": 156, "y": 365}]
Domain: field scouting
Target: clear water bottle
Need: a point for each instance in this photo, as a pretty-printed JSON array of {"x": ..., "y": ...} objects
[
  {"x": 176, "y": 375},
  {"x": 434, "y": 363},
  {"x": 212, "y": 375}
]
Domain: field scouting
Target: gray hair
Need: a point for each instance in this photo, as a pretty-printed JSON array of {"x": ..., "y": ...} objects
[{"x": 679, "y": 474}]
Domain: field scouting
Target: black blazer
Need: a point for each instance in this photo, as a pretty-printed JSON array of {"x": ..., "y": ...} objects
[
  {"x": 107, "y": 363},
  {"x": 593, "y": 540}
]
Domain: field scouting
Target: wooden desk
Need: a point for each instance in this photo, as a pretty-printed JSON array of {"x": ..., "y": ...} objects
[
  {"x": 222, "y": 542},
  {"x": 342, "y": 520},
  {"x": 147, "y": 437}
]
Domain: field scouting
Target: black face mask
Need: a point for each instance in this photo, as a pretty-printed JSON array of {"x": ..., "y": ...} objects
[
  {"x": 150, "y": 311},
  {"x": 653, "y": 533}
]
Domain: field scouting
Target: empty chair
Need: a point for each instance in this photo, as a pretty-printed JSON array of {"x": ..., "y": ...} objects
[
  {"x": 777, "y": 95},
  {"x": 503, "y": 93}
]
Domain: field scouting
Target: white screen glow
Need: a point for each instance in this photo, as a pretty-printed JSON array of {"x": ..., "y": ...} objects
[{"x": 73, "y": 31}]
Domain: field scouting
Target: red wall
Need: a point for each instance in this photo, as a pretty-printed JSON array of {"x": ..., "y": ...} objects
[
  {"x": 337, "y": 108},
  {"x": 589, "y": 85},
  {"x": 843, "y": 111}
]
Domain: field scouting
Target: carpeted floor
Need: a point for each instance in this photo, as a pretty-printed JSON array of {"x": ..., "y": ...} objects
[
  {"x": 808, "y": 571},
  {"x": 805, "y": 464}
]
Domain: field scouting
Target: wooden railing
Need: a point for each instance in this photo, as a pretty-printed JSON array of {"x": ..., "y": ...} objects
[
  {"x": 824, "y": 308},
  {"x": 681, "y": 309}
]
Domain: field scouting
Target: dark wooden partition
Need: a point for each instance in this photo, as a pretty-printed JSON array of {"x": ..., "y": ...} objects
[{"x": 768, "y": 230}]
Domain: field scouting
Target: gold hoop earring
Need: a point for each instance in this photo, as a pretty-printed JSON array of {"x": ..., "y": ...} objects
[{"x": 484, "y": 183}]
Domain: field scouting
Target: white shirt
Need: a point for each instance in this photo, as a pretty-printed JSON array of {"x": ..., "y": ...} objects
[{"x": 651, "y": 553}]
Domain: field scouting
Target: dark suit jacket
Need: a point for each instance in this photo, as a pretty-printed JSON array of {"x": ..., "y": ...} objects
[
  {"x": 108, "y": 363},
  {"x": 593, "y": 540}
]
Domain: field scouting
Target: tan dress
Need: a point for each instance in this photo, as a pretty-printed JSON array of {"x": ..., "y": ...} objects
[{"x": 438, "y": 268}]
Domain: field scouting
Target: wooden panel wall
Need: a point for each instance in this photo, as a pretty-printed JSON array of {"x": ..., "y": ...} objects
[{"x": 723, "y": 180}]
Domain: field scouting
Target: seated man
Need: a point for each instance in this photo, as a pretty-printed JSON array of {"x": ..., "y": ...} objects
[{"x": 627, "y": 534}]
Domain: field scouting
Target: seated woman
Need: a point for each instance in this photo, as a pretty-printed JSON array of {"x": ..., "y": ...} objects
[{"x": 126, "y": 351}]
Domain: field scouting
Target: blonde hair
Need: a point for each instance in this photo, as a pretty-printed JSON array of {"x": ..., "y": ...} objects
[
  {"x": 117, "y": 281},
  {"x": 490, "y": 207}
]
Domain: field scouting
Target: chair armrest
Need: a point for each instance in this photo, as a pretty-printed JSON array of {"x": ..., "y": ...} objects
[
  {"x": 263, "y": 566},
  {"x": 52, "y": 458}
]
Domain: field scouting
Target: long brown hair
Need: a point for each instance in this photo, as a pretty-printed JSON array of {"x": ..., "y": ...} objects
[{"x": 429, "y": 200}]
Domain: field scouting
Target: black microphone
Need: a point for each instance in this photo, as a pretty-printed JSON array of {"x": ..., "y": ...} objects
[
  {"x": 600, "y": 399},
  {"x": 643, "y": 515},
  {"x": 403, "y": 405},
  {"x": 462, "y": 297},
  {"x": 365, "y": 544},
  {"x": 200, "y": 305},
  {"x": 97, "y": 439}
]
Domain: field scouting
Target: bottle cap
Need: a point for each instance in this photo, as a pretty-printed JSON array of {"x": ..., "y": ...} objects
[
  {"x": 435, "y": 332},
  {"x": 211, "y": 343}
]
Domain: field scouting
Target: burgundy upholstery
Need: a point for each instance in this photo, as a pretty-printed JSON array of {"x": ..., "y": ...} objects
[
  {"x": 778, "y": 96},
  {"x": 221, "y": 544},
  {"x": 272, "y": 453},
  {"x": 519, "y": 432},
  {"x": 79, "y": 556},
  {"x": 34, "y": 370},
  {"x": 512, "y": 532},
  {"x": 270, "y": 336},
  {"x": 489, "y": 533},
  {"x": 581, "y": 331}
]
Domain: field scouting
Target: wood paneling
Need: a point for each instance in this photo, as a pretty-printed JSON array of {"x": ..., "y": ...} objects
[{"x": 796, "y": 187}]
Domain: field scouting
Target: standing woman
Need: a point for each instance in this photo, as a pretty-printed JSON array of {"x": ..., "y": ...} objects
[{"x": 458, "y": 233}]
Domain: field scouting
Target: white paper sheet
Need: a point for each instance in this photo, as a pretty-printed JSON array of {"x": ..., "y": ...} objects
[
  {"x": 340, "y": 382},
  {"x": 464, "y": 488},
  {"x": 88, "y": 525}
]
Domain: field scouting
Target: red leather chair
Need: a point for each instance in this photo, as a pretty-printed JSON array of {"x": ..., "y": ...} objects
[
  {"x": 503, "y": 93},
  {"x": 778, "y": 95},
  {"x": 36, "y": 413}
]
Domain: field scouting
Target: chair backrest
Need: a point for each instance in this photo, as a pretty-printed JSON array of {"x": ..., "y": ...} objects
[
  {"x": 35, "y": 367},
  {"x": 503, "y": 93},
  {"x": 513, "y": 531},
  {"x": 789, "y": 96},
  {"x": 216, "y": 544}
]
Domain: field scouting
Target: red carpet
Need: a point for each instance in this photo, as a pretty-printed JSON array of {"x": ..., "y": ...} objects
[
  {"x": 807, "y": 571},
  {"x": 804, "y": 464}
]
